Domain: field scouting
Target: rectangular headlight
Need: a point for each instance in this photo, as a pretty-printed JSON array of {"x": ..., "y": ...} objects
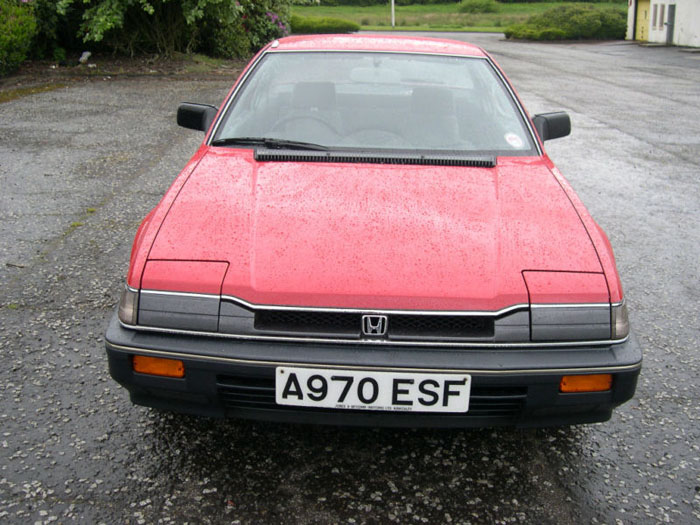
[
  {"x": 128, "y": 306},
  {"x": 620, "y": 321}
]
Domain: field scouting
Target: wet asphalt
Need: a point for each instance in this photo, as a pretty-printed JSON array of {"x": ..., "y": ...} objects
[{"x": 80, "y": 167}]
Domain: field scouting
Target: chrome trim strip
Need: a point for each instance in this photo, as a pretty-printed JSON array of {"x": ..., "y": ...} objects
[
  {"x": 376, "y": 311},
  {"x": 518, "y": 105},
  {"x": 238, "y": 85},
  {"x": 375, "y": 342},
  {"x": 164, "y": 353},
  {"x": 379, "y": 311},
  {"x": 182, "y": 294},
  {"x": 254, "y": 306},
  {"x": 379, "y": 52},
  {"x": 570, "y": 305}
]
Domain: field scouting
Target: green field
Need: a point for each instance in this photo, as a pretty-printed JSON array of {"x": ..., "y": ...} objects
[{"x": 438, "y": 17}]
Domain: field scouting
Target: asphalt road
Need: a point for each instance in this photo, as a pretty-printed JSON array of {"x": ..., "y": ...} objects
[{"x": 79, "y": 168}]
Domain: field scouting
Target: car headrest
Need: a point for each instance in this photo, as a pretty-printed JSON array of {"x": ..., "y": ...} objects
[
  {"x": 432, "y": 100},
  {"x": 319, "y": 95}
]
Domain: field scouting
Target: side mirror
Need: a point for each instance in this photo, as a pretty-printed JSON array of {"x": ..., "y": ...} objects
[
  {"x": 552, "y": 125},
  {"x": 196, "y": 116}
]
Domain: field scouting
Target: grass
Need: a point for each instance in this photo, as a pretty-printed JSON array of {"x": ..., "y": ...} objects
[
  {"x": 198, "y": 63},
  {"x": 12, "y": 94},
  {"x": 438, "y": 17}
]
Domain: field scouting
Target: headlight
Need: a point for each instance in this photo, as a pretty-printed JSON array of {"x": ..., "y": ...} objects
[
  {"x": 620, "y": 321},
  {"x": 570, "y": 322},
  {"x": 129, "y": 306}
]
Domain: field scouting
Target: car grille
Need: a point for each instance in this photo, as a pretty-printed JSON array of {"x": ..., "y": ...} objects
[
  {"x": 308, "y": 322},
  {"x": 459, "y": 326},
  {"x": 400, "y": 326},
  {"x": 259, "y": 393}
]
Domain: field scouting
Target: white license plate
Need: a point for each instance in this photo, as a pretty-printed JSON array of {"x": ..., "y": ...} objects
[{"x": 363, "y": 390}]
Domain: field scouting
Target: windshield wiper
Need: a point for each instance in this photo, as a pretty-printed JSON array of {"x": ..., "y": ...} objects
[{"x": 269, "y": 143}]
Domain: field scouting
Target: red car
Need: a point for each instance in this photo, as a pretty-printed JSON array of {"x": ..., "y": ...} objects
[{"x": 371, "y": 233}]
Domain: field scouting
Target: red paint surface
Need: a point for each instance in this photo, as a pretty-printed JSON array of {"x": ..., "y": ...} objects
[
  {"x": 558, "y": 287},
  {"x": 184, "y": 276},
  {"x": 402, "y": 44},
  {"x": 375, "y": 236}
]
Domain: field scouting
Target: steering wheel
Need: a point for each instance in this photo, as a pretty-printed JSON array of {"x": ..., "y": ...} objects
[{"x": 291, "y": 118}]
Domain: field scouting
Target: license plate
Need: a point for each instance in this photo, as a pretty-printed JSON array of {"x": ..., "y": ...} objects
[{"x": 363, "y": 390}]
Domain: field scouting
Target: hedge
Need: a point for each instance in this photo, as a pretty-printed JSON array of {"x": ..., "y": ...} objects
[
  {"x": 479, "y": 6},
  {"x": 365, "y": 3},
  {"x": 571, "y": 22},
  {"x": 314, "y": 25}
]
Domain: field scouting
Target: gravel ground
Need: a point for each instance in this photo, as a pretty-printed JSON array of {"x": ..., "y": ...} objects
[{"x": 79, "y": 168}]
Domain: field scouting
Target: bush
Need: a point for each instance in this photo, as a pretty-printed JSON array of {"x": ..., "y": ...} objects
[
  {"x": 56, "y": 30},
  {"x": 221, "y": 33},
  {"x": 221, "y": 27},
  {"x": 538, "y": 1},
  {"x": 59, "y": 55},
  {"x": 478, "y": 6},
  {"x": 365, "y": 3},
  {"x": 313, "y": 25},
  {"x": 17, "y": 28},
  {"x": 265, "y": 20},
  {"x": 569, "y": 22}
]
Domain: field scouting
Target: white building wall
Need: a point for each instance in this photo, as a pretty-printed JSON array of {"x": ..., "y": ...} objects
[
  {"x": 687, "y": 30},
  {"x": 630, "y": 20},
  {"x": 687, "y": 22}
]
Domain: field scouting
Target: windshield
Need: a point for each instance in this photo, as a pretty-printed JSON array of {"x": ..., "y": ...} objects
[{"x": 365, "y": 100}]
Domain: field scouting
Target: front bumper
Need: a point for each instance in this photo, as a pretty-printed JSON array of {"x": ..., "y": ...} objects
[{"x": 517, "y": 387}]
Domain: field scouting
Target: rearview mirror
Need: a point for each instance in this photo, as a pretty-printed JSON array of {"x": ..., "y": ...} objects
[
  {"x": 552, "y": 125},
  {"x": 196, "y": 116}
]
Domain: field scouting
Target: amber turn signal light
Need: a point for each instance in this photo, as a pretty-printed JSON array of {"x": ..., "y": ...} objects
[
  {"x": 586, "y": 383},
  {"x": 158, "y": 366}
]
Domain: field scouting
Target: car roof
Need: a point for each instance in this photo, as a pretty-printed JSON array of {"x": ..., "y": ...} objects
[{"x": 378, "y": 43}]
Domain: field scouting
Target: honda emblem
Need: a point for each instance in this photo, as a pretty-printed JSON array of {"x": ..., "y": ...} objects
[{"x": 375, "y": 325}]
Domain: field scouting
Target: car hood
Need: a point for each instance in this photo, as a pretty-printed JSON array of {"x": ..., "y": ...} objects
[{"x": 374, "y": 236}]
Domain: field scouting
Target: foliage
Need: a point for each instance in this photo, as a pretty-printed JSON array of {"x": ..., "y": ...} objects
[
  {"x": 221, "y": 27},
  {"x": 47, "y": 26},
  {"x": 309, "y": 25},
  {"x": 365, "y": 3},
  {"x": 568, "y": 22},
  {"x": 221, "y": 32},
  {"x": 17, "y": 28},
  {"x": 265, "y": 20},
  {"x": 439, "y": 17},
  {"x": 479, "y": 6},
  {"x": 59, "y": 54},
  {"x": 562, "y": 1}
]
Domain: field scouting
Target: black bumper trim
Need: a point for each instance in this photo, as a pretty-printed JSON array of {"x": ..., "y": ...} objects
[
  {"x": 480, "y": 371},
  {"x": 536, "y": 373}
]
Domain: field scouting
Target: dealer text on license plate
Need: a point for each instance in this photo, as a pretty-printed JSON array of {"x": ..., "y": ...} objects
[{"x": 364, "y": 390}]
